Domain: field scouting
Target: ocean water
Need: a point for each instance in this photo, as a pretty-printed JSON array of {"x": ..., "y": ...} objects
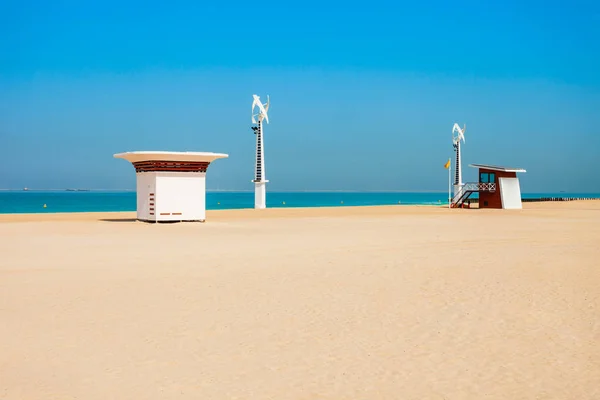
[{"x": 69, "y": 201}]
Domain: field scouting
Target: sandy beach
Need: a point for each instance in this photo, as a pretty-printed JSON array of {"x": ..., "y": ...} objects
[{"x": 395, "y": 302}]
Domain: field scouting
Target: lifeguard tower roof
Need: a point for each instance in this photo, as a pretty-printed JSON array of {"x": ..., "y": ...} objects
[{"x": 496, "y": 168}]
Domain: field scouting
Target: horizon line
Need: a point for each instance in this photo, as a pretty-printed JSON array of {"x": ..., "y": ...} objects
[
  {"x": 227, "y": 190},
  {"x": 279, "y": 191}
]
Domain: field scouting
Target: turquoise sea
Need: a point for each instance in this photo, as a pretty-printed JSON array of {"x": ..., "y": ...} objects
[{"x": 89, "y": 201}]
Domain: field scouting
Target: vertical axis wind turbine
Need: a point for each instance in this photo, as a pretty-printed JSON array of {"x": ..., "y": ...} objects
[
  {"x": 260, "y": 181},
  {"x": 458, "y": 134}
]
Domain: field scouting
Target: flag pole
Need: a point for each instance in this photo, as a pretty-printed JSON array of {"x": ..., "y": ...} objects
[{"x": 449, "y": 184}]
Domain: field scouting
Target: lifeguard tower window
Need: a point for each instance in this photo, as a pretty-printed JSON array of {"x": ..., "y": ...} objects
[{"x": 486, "y": 177}]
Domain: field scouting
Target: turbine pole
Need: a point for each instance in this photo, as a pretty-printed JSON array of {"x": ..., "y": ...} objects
[
  {"x": 260, "y": 188},
  {"x": 457, "y": 170},
  {"x": 460, "y": 135},
  {"x": 259, "y": 173}
]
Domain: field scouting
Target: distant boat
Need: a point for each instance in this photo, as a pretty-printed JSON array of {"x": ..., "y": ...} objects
[{"x": 25, "y": 189}]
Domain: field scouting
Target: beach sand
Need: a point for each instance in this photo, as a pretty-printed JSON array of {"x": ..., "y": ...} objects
[{"x": 395, "y": 302}]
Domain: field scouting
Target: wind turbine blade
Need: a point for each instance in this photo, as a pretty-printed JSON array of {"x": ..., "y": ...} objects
[
  {"x": 455, "y": 128},
  {"x": 255, "y": 102},
  {"x": 266, "y": 108},
  {"x": 262, "y": 109}
]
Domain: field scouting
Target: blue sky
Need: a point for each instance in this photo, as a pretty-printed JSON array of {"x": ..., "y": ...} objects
[{"x": 364, "y": 95}]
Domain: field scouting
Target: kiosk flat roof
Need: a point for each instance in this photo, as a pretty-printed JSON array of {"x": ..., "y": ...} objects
[
  {"x": 184, "y": 156},
  {"x": 497, "y": 168}
]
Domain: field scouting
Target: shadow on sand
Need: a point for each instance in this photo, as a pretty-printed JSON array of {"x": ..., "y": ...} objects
[{"x": 141, "y": 221}]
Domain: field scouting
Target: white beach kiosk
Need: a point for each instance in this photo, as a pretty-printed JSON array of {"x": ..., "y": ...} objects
[{"x": 171, "y": 186}]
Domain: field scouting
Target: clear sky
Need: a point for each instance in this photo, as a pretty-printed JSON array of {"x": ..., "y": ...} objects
[{"x": 363, "y": 94}]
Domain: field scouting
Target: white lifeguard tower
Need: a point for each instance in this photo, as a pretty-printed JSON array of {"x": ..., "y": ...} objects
[{"x": 171, "y": 186}]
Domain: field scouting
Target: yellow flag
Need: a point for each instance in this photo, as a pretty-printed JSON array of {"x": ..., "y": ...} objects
[{"x": 447, "y": 164}]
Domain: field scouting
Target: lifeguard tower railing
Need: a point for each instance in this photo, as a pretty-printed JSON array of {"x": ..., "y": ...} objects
[{"x": 468, "y": 189}]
